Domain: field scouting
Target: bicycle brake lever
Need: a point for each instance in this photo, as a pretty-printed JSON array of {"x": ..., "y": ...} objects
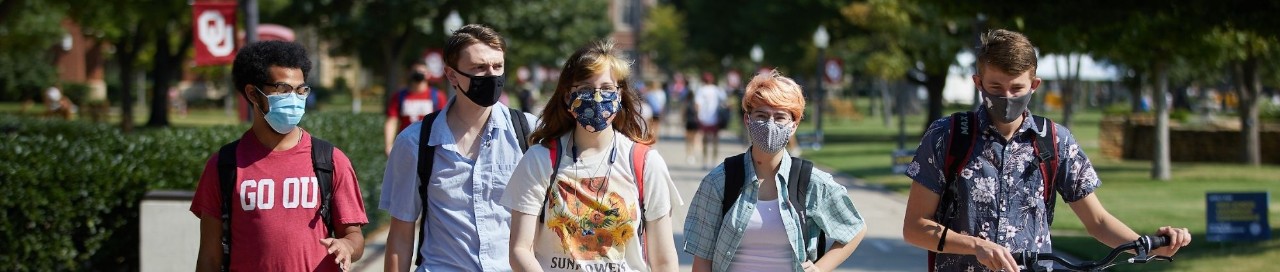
[{"x": 1149, "y": 258}]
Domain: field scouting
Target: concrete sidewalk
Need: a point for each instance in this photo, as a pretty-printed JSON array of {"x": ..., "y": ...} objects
[{"x": 883, "y": 249}]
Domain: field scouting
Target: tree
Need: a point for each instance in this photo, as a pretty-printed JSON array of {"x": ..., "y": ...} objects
[
  {"x": 917, "y": 33},
  {"x": 166, "y": 63},
  {"x": 1245, "y": 51},
  {"x": 664, "y": 38},
  {"x": 535, "y": 31},
  {"x": 136, "y": 28},
  {"x": 783, "y": 29},
  {"x": 28, "y": 29}
]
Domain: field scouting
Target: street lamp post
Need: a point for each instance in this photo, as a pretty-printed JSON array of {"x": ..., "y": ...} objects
[{"x": 820, "y": 39}]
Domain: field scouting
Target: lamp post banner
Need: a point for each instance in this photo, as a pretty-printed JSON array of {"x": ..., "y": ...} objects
[{"x": 215, "y": 32}]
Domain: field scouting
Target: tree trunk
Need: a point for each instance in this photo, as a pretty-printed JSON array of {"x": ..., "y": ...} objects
[
  {"x": 130, "y": 44},
  {"x": 884, "y": 101},
  {"x": 1160, "y": 168},
  {"x": 1250, "y": 89},
  {"x": 1069, "y": 87},
  {"x": 392, "y": 52},
  {"x": 934, "y": 83},
  {"x": 166, "y": 68},
  {"x": 160, "y": 77}
]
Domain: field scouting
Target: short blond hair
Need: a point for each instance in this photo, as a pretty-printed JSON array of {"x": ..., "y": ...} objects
[{"x": 774, "y": 90}]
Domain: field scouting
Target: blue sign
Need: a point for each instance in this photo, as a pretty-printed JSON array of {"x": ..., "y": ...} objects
[{"x": 1237, "y": 216}]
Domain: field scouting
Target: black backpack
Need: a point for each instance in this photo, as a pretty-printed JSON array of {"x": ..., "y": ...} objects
[
  {"x": 321, "y": 162},
  {"x": 426, "y": 158},
  {"x": 959, "y": 149},
  {"x": 797, "y": 187}
]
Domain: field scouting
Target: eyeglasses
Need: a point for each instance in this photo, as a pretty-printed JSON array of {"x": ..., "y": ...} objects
[
  {"x": 781, "y": 118},
  {"x": 602, "y": 89},
  {"x": 281, "y": 88}
]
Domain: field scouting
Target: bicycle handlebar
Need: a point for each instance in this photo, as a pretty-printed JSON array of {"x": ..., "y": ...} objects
[{"x": 1142, "y": 247}]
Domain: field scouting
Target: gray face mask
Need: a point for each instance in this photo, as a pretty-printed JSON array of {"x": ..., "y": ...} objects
[
  {"x": 1007, "y": 109},
  {"x": 769, "y": 136}
]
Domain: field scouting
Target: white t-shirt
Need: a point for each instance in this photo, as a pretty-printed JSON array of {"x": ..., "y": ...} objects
[
  {"x": 592, "y": 216},
  {"x": 768, "y": 249},
  {"x": 708, "y": 98}
]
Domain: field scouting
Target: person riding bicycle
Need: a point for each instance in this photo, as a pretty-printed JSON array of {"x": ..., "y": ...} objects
[{"x": 975, "y": 202}]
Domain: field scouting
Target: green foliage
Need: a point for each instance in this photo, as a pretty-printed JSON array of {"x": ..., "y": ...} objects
[
  {"x": 664, "y": 37},
  {"x": 74, "y": 185},
  {"x": 546, "y": 31},
  {"x": 27, "y": 36}
]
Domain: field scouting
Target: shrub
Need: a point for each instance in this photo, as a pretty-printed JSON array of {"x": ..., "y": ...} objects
[{"x": 73, "y": 186}]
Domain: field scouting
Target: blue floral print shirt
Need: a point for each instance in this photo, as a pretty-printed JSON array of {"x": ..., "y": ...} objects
[{"x": 1001, "y": 189}]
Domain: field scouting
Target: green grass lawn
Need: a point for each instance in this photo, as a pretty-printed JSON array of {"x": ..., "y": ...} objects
[{"x": 862, "y": 148}]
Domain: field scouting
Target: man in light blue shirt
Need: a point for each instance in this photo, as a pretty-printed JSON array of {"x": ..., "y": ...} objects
[{"x": 474, "y": 144}]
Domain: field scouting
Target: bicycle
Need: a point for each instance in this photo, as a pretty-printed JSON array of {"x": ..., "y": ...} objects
[{"x": 1027, "y": 260}]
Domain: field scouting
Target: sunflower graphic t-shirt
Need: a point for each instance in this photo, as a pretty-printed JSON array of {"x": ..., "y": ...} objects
[{"x": 592, "y": 212}]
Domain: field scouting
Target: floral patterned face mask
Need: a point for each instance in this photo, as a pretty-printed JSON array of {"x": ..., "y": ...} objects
[{"x": 594, "y": 108}]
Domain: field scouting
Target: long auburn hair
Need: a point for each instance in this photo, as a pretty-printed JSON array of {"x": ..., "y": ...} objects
[{"x": 587, "y": 62}]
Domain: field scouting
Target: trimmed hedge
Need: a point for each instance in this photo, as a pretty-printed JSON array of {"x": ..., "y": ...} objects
[{"x": 72, "y": 187}]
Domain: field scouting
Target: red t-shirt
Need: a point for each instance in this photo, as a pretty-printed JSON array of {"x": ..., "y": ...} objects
[
  {"x": 274, "y": 224},
  {"x": 411, "y": 107}
]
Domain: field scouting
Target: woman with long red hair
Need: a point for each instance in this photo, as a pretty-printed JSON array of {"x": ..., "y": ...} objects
[{"x": 591, "y": 194}]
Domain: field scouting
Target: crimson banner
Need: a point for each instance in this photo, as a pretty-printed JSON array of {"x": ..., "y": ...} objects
[{"x": 215, "y": 32}]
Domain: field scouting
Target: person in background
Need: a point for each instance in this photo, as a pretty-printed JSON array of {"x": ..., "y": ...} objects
[
  {"x": 656, "y": 98},
  {"x": 411, "y": 104},
  {"x": 709, "y": 100}
]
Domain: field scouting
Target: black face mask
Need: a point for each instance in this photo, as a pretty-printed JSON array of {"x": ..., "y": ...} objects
[
  {"x": 1007, "y": 109},
  {"x": 484, "y": 90}
]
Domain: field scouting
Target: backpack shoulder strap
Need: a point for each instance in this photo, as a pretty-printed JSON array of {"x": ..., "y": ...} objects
[
  {"x": 227, "y": 184},
  {"x": 640, "y": 153},
  {"x": 426, "y": 158},
  {"x": 959, "y": 148},
  {"x": 521, "y": 124},
  {"x": 798, "y": 179},
  {"x": 1046, "y": 148},
  {"x": 734, "y": 177},
  {"x": 322, "y": 163},
  {"x": 553, "y": 148}
]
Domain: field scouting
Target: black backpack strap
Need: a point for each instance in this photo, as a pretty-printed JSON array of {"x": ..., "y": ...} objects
[
  {"x": 1046, "y": 146},
  {"x": 553, "y": 147},
  {"x": 734, "y": 177},
  {"x": 426, "y": 158},
  {"x": 959, "y": 148},
  {"x": 798, "y": 181},
  {"x": 322, "y": 162},
  {"x": 521, "y": 124},
  {"x": 227, "y": 184}
]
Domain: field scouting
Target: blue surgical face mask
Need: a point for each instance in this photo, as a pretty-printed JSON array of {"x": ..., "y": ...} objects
[
  {"x": 285, "y": 111},
  {"x": 594, "y": 108}
]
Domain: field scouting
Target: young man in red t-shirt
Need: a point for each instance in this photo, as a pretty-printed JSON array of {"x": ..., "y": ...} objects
[
  {"x": 275, "y": 223},
  {"x": 411, "y": 104}
]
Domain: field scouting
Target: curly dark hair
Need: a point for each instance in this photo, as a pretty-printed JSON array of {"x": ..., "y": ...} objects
[{"x": 253, "y": 62}]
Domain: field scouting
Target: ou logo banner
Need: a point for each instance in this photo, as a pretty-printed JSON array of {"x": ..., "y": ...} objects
[{"x": 214, "y": 28}]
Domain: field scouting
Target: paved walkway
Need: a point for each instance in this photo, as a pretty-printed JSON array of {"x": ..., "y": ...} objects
[{"x": 882, "y": 250}]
